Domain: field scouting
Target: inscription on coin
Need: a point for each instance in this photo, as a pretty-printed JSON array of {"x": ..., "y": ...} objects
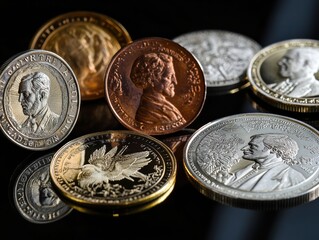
[
  {"x": 39, "y": 99},
  {"x": 155, "y": 86},
  {"x": 34, "y": 196}
]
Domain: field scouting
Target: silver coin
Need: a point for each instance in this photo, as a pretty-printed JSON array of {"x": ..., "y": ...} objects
[
  {"x": 223, "y": 55},
  {"x": 33, "y": 195},
  {"x": 39, "y": 99},
  {"x": 255, "y": 160},
  {"x": 285, "y": 74}
]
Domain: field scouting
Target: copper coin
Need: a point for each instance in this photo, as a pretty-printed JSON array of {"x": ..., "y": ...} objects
[
  {"x": 87, "y": 41},
  {"x": 155, "y": 86}
]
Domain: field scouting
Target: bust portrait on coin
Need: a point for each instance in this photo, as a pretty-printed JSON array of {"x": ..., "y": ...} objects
[
  {"x": 298, "y": 66},
  {"x": 154, "y": 73},
  {"x": 272, "y": 156},
  {"x": 34, "y": 91}
]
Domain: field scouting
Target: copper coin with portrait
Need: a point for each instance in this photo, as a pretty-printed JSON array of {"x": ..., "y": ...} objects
[
  {"x": 155, "y": 86},
  {"x": 87, "y": 41}
]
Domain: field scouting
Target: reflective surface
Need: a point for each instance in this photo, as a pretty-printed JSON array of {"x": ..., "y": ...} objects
[{"x": 185, "y": 214}]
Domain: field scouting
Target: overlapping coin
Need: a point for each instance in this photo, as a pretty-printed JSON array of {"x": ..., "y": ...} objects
[
  {"x": 34, "y": 196},
  {"x": 87, "y": 41},
  {"x": 285, "y": 75},
  {"x": 155, "y": 86},
  {"x": 260, "y": 161},
  {"x": 39, "y": 99},
  {"x": 224, "y": 55},
  {"x": 113, "y": 171}
]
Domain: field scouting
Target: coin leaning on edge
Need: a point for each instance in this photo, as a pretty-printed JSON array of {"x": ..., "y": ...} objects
[
  {"x": 258, "y": 161},
  {"x": 39, "y": 99}
]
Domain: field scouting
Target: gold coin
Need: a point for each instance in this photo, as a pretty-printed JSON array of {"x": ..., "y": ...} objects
[
  {"x": 113, "y": 169},
  {"x": 87, "y": 41}
]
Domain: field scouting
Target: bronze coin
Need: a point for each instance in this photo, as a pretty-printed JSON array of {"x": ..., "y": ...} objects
[
  {"x": 155, "y": 86},
  {"x": 87, "y": 41}
]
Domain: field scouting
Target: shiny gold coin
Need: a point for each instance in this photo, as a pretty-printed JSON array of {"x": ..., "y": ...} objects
[
  {"x": 113, "y": 169},
  {"x": 87, "y": 41},
  {"x": 155, "y": 86}
]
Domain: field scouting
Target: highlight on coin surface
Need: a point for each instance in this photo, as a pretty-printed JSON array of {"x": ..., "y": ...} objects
[
  {"x": 87, "y": 41},
  {"x": 33, "y": 194},
  {"x": 39, "y": 99},
  {"x": 285, "y": 74},
  {"x": 113, "y": 170},
  {"x": 155, "y": 86},
  {"x": 260, "y": 161},
  {"x": 224, "y": 56}
]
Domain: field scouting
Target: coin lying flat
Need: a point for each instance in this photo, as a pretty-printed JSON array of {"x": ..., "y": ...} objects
[
  {"x": 224, "y": 56},
  {"x": 255, "y": 160},
  {"x": 155, "y": 86},
  {"x": 285, "y": 75},
  {"x": 33, "y": 195},
  {"x": 113, "y": 170},
  {"x": 39, "y": 99},
  {"x": 87, "y": 41}
]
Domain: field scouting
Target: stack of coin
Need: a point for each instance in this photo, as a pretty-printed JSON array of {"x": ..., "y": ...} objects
[
  {"x": 39, "y": 99},
  {"x": 155, "y": 86},
  {"x": 224, "y": 55},
  {"x": 284, "y": 75},
  {"x": 87, "y": 41},
  {"x": 259, "y": 161},
  {"x": 113, "y": 173},
  {"x": 34, "y": 196}
]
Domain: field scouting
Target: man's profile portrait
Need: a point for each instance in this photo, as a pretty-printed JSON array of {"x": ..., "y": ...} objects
[
  {"x": 272, "y": 157},
  {"x": 154, "y": 73},
  {"x": 34, "y": 92},
  {"x": 298, "y": 66}
]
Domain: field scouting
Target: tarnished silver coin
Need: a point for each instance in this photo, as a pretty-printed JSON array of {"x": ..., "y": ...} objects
[
  {"x": 285, "y": 75},
  {"x": 224, "y": 56},
  {"x": 113, "y": 170},
  {"x": 39, "y": 99},
  {"x": 255, "y": 160},
  {"x": 33, "y": 195}
]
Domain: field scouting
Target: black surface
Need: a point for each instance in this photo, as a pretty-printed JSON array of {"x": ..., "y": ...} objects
[{"x": 186, "y": 213}]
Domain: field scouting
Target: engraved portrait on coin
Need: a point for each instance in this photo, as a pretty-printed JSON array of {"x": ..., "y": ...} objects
[
  {"x": 298, "y": 66},
  {"x": 116, "y": 169},
  {"x": 286, "y": 75},
  {"x": 255, "y": 160},
  {"x": 87, "y": 41},
  {"x": 155, "y": 75},
  {"x": 155, "y": 86},
  {"x": 34, "y": 196},
  {"x": 224, "y": 55},
  {"x": 40, "y": 99}
]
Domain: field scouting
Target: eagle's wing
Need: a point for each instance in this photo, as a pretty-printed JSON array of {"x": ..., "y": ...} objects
[
  {"x": 99, "y": 155},
  {"x": 128, "y": 166}
]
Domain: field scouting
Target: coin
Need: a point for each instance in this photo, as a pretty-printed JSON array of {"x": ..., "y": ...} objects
[
  {"x": 113, "y": 170},
  {"x": 155, "y": 86},
  {"x": 284, "y": 74},
  {"x": 33, "y": 195},
  {"x": 260, "y": 161},
  {"x": 87, "y": 41},
  {"x": 39, "y": 99},
  {"x": 224, "y": 55}
]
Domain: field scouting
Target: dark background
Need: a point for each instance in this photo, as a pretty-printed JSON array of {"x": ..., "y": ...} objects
[{"x": 186, "y": 213}]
